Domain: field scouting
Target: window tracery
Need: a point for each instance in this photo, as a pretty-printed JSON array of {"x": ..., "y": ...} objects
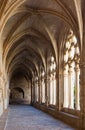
[{"x": 71, "y": 73}]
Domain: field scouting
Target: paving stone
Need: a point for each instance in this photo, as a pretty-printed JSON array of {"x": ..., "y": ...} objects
[{"x": 28, "y": 118}]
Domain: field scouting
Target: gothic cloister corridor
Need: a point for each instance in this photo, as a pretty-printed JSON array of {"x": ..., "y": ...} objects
[
  {"x": 24, "y": 117},
  {"x": 42, "y": 64}
]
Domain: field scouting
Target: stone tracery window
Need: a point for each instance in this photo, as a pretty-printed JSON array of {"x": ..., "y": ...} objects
[
  {"x": 53, "y": 81},
  {"x": 71, "y": 73}
]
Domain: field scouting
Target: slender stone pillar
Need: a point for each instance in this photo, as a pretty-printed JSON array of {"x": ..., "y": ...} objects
[
  {"x": 35, "y": 91},
  {"x": 34, "y": 95},
  {"x": 39, "y": 90},
  {"x": 77, "y": 71},
  {"x": 82, "y": 83},
  {"x": 71, "y": 89},
  {"x": 6, "y": 96},
  {"x": 43, "y": 91},
  {"x": 54, "y": 98},
  {"x": 33, "y": 85},
  {"x": 47, "y": 95},
  {"x": 66, "y": 96},
  {"x": 51, "y": 91},
  {"x": 82, "y": 96},
  {"x": 1, "y": 102}
]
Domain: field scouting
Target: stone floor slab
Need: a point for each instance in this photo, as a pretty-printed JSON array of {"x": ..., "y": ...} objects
[{"x": 29, "y": 118}]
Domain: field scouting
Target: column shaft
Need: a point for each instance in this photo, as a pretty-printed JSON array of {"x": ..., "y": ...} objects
[{"x": 66, "y": 90}]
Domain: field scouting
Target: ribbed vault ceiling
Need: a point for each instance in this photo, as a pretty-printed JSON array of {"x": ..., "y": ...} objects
[{"x": 33, "y": 29}]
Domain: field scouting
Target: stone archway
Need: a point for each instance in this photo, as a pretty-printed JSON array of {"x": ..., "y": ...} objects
[
  {"x": 17, "y": 95},
  {"x": 20, "y": 89}
]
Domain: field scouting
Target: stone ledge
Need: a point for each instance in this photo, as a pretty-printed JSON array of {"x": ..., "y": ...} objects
[
  {"x": 71, "y": 111},
  {"x": 65, "y": 117}
]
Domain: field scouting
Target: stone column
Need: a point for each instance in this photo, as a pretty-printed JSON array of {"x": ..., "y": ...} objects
[
  {"x": 60, "y": 91},
  {"x": 39, "y": 91},
  {"x": 82, "y": 81},
  {"x": 55, "y": 87},
  {"x": 35, "y": 92},
  {"x": 82, "y": 96},
  {"x": 1, "y": 102},
  {"x": 66, "y": 96},
  {"x": 43, "y": 91},
  {"x": 34, "y": 95},
  {"x": 6, "y": 93},
  {"x": 47, "y": 91},
  {"x": 77, "y": 72},
  {"x": 71, "y": 89},
  {"x": 32, "y": 91},
  {"x": 51, "y": 91},
  {"x": 0, "y": 59},
  {"x": 4, "y": 89},
  {"x": 1, "y": 78}
]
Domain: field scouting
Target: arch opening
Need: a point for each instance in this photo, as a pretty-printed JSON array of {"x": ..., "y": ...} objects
[{"x": 20, "y": 88}]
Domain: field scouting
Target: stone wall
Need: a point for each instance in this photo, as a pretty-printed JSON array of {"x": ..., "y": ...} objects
[{"x": 20, "y": 90}]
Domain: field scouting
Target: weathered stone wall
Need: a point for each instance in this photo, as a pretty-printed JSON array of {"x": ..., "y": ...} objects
[{"x": 24, "y": 85}]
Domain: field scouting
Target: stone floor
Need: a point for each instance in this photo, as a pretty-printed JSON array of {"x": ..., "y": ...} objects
[{"x": 29, "y": 118}]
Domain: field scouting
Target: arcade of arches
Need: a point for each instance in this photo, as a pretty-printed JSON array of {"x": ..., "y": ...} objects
[{"x": 42, "y": 57}]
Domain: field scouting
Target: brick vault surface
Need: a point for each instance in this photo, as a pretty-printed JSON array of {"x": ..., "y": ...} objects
[{"x": 28, "y": 118}]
